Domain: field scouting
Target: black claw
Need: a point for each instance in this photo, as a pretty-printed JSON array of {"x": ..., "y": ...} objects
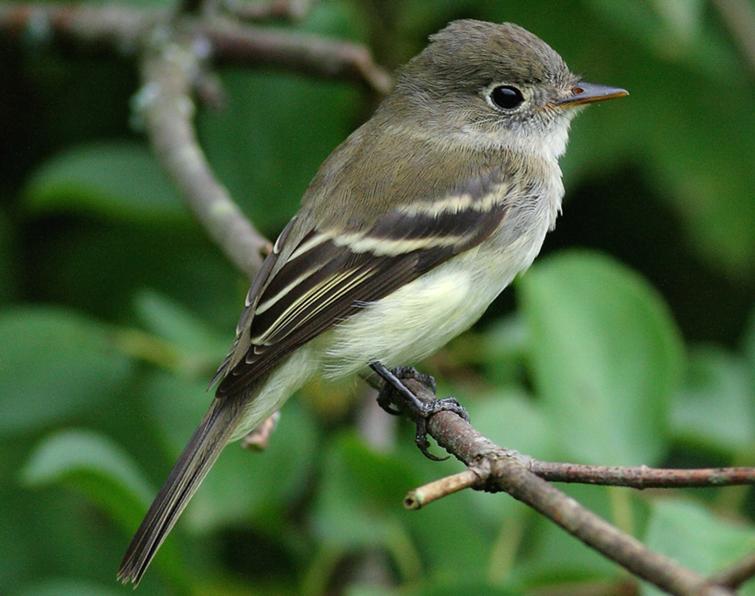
[
  {"x": 409, "y": 372},
  {"x": 387, "y": 405},
  {"x": 395, "y": 398},
  {"x": 449, "y": 404},
  {"x": 421, "y": 440}
]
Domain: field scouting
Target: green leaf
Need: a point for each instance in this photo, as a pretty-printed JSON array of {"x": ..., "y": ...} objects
[
  {"x": 201, "y": 348},
  {"x": 510, "y": 418},
  {"x": 454, "y": 538},
  {"x": 100, "y": 469},
  {"x": 67, "y": 587},
  {"x": 503, "y": 349},
  {"x": 94, "y": 464},
  {"x": 241, "y": 483},
  {"x": 697, "y": 155},
  {"x": 119, "y": 180},
  {"x": 465, "y": 520},
  {"x": 272, "y": 137},
  {"x": 336, "y": 19},
  {"x": 173, "y": 322},
  {"x": 714, "y": 408},
  {"x": 552, "y": 556},
  {"x": 454, "y": 588},
  {"x": 672, "y": 30},
  {"x": 101, "y": 265},
  {"x": 54, "y": 364},
  {"x": 605, "y": 357},
  {"x": 683, "y": 17},
  {"x": 359, "y": 498},
  {"x": 691, "y": 535}
]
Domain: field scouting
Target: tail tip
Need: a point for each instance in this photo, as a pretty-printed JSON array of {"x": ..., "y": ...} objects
[{"x": 127, "y": 574}]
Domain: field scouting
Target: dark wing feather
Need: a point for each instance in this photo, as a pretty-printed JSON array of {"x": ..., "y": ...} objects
[
  {"x": 240, "y": 343},
  {"x": 329, "y": 276}
]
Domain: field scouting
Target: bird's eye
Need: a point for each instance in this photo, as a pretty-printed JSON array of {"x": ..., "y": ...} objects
[{"x": 506, "y": 97}]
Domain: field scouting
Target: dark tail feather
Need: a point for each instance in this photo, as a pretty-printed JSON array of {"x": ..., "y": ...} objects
[{"x": 196, "y": 460}]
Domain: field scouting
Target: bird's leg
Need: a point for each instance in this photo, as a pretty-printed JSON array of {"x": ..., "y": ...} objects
[
  {"x": 258, "y": 438},
  {"x": 395, "y": 397}
]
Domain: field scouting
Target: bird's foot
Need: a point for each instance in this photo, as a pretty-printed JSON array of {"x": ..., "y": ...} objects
[
  {"x": 394, "y": 394},
  {"x": 395, "y": 398}
]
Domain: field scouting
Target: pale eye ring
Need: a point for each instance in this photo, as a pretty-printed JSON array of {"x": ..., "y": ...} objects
[{"x": 505, "y": 97}]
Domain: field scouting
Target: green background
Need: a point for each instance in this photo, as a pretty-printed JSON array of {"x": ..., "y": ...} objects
[{"x": 630, "y": 341}]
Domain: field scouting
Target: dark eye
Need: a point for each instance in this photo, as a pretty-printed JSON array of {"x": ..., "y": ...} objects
[{"x": 506, "y": 97}]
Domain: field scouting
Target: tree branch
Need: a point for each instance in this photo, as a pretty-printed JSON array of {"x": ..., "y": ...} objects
[
  {"x": 494, "y": 468},
  {"x": 172, "y": 69},
  {"x": 103, "y": 29},
  {"x": 309, "y": 54},
  {"x": 641, "y": 477},
  {"x": 292, "y": 10},
  {"x": 737, "y": 574},
  {"x": 169, "y": 69},
  {"x": 121, "y": 30}
]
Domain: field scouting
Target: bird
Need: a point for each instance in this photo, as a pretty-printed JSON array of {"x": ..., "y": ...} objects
[{"x": 406, "y": 234}]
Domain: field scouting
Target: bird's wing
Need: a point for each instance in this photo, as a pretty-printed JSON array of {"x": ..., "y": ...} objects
[{"x": 328, "y": 274}]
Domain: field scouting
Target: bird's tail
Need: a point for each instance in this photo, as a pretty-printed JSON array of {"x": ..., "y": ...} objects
[{"x": 200, "y": 454}]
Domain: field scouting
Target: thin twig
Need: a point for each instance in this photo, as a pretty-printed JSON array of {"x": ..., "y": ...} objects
[
  {"x": 121, "y": 30},
  {"x": 102, "y": 29},
  {"x": 737, "y": 574},
  {"x": 437, "y": 489},
  {"x": 641, "y": 477},
  {"x": 246, "y": 45},
  {"x": 638, "y": 477},
  {"x": 292, "y": 10},
  {"x": 500, "y": 470},
  {"x": 171, "y": 70}
]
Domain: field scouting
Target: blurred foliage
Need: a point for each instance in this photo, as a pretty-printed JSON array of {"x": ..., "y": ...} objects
[{"x": 637, "y": 348}]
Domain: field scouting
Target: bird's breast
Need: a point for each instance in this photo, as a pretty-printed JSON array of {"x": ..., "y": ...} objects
[{"x": 420, "y": 317}]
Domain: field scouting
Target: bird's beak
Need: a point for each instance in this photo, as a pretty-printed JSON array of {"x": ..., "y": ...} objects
[{"x": 583, "y": 93}]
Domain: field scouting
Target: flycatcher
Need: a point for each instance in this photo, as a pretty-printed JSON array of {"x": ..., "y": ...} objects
[{"x": 407, "y": 233}]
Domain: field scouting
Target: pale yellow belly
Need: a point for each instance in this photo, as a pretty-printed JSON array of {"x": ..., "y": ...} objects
[
  {"x": 416, "y": 320},
  {"x": 405, "y": 326}
]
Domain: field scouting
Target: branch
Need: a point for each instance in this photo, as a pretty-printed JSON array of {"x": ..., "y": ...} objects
[
  {"x": 168, "y": 72},
  {"x": 105, "y": 29},
  {"x": 641, "y": 477},
  {"x": 172, "y": 70},
  {"x": 121, "y": 30},
  {"x": 737, "y": 574},
  {"x": 309, "y": 54},
  {"x": 292, "y": 10},
  {"x": 494, "y": 468}
]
